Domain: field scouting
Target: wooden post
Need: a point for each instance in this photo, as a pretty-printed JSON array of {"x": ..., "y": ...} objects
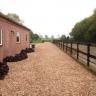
[
  {"x": 66, "y": 46},
  {"x": 88, "y": 54},
  {"x": 63, "y": 45},
  {"x": 77, "y": 50},
  {"x": 59, "y": 43},
  {"x": 71, "y": 49}
]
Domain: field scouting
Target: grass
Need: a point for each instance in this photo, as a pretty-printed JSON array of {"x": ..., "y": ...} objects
[{"x": 37, "y": 41}]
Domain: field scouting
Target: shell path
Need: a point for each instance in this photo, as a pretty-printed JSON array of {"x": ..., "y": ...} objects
[{"x": 48, "y": 72}]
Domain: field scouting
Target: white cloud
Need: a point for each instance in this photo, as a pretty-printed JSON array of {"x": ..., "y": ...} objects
[{"x": 51, "y": 17}]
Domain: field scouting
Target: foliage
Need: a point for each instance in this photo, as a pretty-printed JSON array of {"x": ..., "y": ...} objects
[
  {"x": 63, "y": 37},
  {"x": 15, "y": 17},
  {"x": 52, "y": 37},
  {"x": 34, "y": 38},
  {"x": 85, "y": 30},
  {"x": 46, "y": 37}
]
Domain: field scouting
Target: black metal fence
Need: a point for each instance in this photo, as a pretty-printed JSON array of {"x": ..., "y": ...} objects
[{"x": 85, "y": 52}]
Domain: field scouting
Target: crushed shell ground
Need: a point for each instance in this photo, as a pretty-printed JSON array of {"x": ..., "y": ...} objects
[{"x": 48, "y": 72}]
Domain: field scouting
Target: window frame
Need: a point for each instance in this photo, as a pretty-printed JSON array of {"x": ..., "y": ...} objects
[
  {"x": 17, "y": 36},
  {"x": 27, "y": 40},
  {"x": 1, "y": 43},
  {"x": 26, "y": 37}
]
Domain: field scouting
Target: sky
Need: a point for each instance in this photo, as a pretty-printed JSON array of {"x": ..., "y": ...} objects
[{"x": 49, "y": 17}]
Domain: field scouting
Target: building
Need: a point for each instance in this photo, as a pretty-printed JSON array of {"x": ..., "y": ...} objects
[{"x": 14, "y": 37}]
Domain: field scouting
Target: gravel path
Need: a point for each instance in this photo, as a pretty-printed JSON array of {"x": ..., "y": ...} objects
[{"x": 48, "y": 72}]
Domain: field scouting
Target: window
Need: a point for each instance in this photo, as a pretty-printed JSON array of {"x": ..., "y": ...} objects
[
  {"x": 17, "y": 37},
  {"x": 0, "y": 36},
  {"x": 26, "y": 38}
]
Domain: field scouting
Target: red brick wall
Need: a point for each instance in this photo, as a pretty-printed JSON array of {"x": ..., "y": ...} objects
[{"x": 10, "y": 47}]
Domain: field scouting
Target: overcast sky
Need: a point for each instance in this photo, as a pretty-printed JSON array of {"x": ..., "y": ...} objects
[{"x": 49, "y": 17}]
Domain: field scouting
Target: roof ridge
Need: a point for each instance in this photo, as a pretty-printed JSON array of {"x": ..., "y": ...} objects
[{"x": 13, "y": 21}]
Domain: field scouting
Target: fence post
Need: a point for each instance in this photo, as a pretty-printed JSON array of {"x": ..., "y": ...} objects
[
  {"x": 77, "y": 50},
  {"x": 88, "y": 54},
  {"x": 71, "y": 48},
  {"x": 66, "y": 47},
  {"x": 63, "y": 45},
  {"x": 58, "y": 43}
]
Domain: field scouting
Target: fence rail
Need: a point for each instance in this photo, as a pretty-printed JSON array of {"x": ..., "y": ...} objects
[{"x": 78, "y": 50}]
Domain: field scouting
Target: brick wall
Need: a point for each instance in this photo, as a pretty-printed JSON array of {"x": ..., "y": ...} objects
[{"x": 10, "y": 47}]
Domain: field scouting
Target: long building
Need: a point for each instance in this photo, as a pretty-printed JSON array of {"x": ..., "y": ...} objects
[{"x": 14, "y": 37}]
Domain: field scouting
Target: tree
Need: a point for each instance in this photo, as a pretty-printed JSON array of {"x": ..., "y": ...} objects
[
  {"x": 15, "y": 17},
  {"x": 41, "y": 36},
  {"x": 63, "y": 37},
  {"x": 52, "y": 37},
  {"x": 30, "y": 36},
  {"x": 46, "y": 37},
  {"x": 85, "y": 30},
  {"x": 34, "y": 37}
]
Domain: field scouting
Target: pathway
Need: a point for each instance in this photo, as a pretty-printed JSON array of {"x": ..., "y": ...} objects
[{"x": 48, "y": 72}]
